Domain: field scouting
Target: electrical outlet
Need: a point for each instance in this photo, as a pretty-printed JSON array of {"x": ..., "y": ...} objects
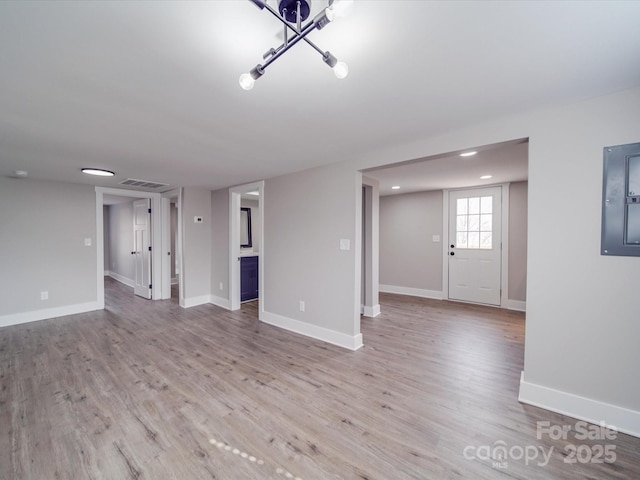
[
  {"x": 302, "y": 305},
  {"x": 221, "y": 286},
  {"x": 87, "y": 242},
  {"x": 44, "y": 295}
]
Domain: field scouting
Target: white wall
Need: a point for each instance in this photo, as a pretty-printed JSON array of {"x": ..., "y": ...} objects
[
  {"x": 582, "y": 323},
  {"x": 518, "y": 227},
  {"x": 220, "y": 247},
  {"x": 409, "y": 257},
  {"x": 305, "y": 216},
  {"x": 196, "y": 250},
  {"x": 43, "y": 227}
]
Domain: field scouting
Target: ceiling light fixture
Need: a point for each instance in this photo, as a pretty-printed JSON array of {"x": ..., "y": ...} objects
[
  {"x": 485, "y": 177},
  {"x": 468, "y": 154},
  {"x": 98, "y": 171},
  {"x": 395, "y": 187},
  {"x": 292, "y": 13}
]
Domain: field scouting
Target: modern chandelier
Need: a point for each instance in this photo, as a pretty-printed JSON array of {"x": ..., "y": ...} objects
[{"x": 292, "y": 13}]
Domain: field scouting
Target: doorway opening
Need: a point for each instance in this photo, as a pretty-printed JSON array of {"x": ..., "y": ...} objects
[
  {"x": 127, "y": 238},
  {"x": 246, "y": 246},
  {"x": 126, "y": 248},
  {"x": 172, "y": 245},
  {"x": 417, "y": 230}
]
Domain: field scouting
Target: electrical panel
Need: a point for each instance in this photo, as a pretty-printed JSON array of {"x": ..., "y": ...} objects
[{"x": 621, "y": 201}]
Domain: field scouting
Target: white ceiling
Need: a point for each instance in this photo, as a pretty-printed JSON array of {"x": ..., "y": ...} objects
[
  {"x": 507, "y": 162},
  {"x": 150, "y": 89}
]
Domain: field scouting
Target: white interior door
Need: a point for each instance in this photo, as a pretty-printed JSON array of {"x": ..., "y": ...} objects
[
  {"x": 142, "y": 247},
  {"x": 475, "y": 245}
]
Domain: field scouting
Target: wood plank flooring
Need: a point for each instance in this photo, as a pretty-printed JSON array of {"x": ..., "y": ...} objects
[{"x": 148, "y": 390}]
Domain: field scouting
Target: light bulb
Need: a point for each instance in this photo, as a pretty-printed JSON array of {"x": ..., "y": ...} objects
[
  {"x": 323, "y": 18},
  {"x": 341, "y": 70},
  {"x": 341, "y": 8},
  {"x": 330, "y": 13},
  {"x": 246, "y": 81}
]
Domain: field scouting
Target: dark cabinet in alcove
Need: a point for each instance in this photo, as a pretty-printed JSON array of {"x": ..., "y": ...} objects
[{"x": 248, "y": 278}]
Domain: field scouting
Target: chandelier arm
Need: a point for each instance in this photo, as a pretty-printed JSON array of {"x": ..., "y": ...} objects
[
  {"x": 274, "y": 51},
  {"x": 317, "y": 49},
  {"x": 308, "y": 29}
]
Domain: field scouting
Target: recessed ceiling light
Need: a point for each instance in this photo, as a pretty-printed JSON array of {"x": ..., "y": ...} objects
[
  {"x": 98, "y": 171},
  {"x": 395, "y": 187},
  {"x": 256, "y": 193},
  {"x": 468, "y": 154},
  {"x": 21, "y": 173},
  {"x": 485, "y": 177}
]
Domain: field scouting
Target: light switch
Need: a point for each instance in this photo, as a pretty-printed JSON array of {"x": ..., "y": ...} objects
[
  {"x": 87, "y": 242},
  {"x": 435, "y": 238},
  {"x": 345, "y": 244},
  {"x": 197, "y": 219}
]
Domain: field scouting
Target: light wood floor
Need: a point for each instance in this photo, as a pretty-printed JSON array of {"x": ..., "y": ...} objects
[{"x": 148, "y": 390}]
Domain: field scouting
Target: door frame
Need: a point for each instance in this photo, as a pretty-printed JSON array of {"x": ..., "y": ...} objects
[
  {"x": 166, "y": 243},
  {"x": 504, "y": 257},
  {"x": 370, "y": 254},
  {"x": 235, "y": 197},
  {"x": 156, "y": 239}
]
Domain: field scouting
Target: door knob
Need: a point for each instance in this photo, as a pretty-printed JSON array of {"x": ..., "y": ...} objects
[
  {"x": 133, "y": 253},
  {"x": 453, "y": 246}
]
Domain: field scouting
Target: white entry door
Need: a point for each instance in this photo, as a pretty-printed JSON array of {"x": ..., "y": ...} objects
[
  {"x": 142, "y": 247},
  {"x": 475, "y": 245}
]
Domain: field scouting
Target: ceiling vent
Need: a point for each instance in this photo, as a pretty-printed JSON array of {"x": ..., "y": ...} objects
[{"x": 132, "y": 182}]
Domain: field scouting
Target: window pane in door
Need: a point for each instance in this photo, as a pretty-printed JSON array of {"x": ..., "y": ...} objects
[
  {"x": 486, "y": 205},
  {"x": 473, "y": 241},
  {"x": 474, "y": 223},
  {"x": 485, "y": 223},
  {"x": 486, "y": 240},
  {"x": 461, "y": 206},
  {"x": 461, "y": 239},
  {"x": 474, "y": 205}
]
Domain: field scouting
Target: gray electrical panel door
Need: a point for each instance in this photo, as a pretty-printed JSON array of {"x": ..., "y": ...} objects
[{"x": 621, "y": 201}]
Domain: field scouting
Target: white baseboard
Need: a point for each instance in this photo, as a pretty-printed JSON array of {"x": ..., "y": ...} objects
[
  {"x": 220, "y": 302},
  {"x": 122, "y": 279},
  {"x": 314, "y": 331},
  {"x": 517, "y": 305},
  {"x": 44, "y": 314},
  {"x": 621, "y": 419},
  {"x": 195, "y": 301},
  {"x": 414, "y": 292},
  {"x": 372, "y": 312}
]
